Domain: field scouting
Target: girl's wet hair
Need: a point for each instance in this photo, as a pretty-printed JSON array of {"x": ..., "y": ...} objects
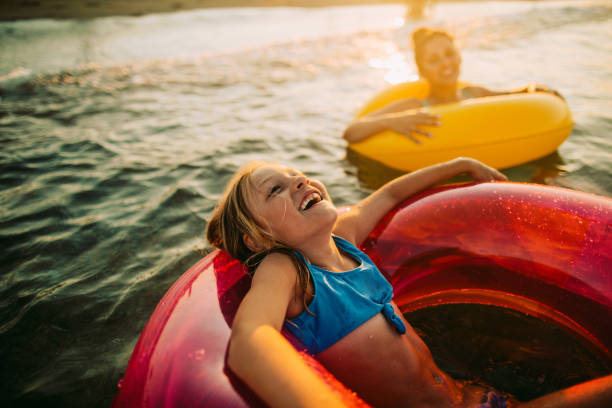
[
  {"x": 420, "y": 38},
  {"x": 232, "y": 219}
]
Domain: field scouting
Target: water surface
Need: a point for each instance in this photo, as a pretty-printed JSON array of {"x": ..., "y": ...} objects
[{"x": 119, "y": 134}]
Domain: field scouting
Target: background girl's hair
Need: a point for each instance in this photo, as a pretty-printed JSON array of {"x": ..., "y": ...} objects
[{"x": 231, "y": 220}]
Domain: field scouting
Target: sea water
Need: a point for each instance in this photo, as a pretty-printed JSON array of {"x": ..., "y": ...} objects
[{"x": 119, "y": 134}]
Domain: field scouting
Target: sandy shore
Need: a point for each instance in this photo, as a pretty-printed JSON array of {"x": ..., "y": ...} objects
[{"x": 25, "y": 9}]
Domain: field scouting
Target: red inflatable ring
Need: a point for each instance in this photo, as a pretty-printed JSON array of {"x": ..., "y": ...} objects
[{"x": 547, "y": 252}]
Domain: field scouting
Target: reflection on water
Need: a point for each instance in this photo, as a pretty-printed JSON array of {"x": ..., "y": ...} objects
[{"x": 118, "y": 136}]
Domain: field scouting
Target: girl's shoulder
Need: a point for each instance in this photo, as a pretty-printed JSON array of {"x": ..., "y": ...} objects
[
  {"x": 273, "y": 266},
  {"x": 274, "y": 259}
]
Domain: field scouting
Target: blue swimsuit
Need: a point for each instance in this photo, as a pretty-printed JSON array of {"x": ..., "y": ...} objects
[{"x": 343, "y": 301}]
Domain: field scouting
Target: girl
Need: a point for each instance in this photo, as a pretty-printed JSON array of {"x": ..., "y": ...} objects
[
  {"x": 438, "y": 61},
  {"x": 309, "y": 276}
]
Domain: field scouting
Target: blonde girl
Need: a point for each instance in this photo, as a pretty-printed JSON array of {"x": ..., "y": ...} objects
[{"x": 309, "y": 276}]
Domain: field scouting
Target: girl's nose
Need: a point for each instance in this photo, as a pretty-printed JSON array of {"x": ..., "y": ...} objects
[{"x": 300, "y": 182}]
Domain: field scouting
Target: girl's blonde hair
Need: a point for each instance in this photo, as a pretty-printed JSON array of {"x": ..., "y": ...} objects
[
  {"x": 420, "y": 38},
  {"x": 231, "y": 220}
]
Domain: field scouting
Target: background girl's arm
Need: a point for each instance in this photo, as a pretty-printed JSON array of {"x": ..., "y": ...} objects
[
  {"x": 395, "y": 117},
  {"x": 479, "y": 92},
  {"x": 260, "y": 355},
  {"x": 358, "y": 222},
  {"x": 391, "y": 117},
  {"x": 405, "y": 123}
]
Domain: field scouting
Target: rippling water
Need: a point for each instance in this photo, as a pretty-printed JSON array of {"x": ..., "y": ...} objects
[{"x": 118, "y": 135}]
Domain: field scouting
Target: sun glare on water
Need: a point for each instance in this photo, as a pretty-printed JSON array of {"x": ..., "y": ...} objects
[{"x": 397, "y": 67}]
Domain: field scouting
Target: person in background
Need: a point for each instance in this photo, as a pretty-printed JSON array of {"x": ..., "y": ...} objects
[
  {"x": 415, "y": 9},
  {"x": 438, "y": 61}
]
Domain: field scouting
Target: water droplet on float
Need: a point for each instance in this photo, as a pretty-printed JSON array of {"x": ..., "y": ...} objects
[
  {"x": 199, "y": 354},
  {"x": 120, "y": 383}
]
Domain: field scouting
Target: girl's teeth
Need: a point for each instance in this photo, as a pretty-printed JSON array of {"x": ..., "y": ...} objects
[{"x": 308, "y": 199}]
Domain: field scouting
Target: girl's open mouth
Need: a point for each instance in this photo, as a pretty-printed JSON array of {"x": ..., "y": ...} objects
[{"x": 309, "y": 200}]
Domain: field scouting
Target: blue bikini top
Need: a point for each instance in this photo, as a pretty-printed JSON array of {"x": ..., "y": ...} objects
[{"x": 343, "y": 301}]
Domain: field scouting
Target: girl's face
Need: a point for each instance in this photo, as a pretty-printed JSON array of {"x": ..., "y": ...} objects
[
  {"x": 289, "y": 206},
  {"x": 440, "y": 61}
]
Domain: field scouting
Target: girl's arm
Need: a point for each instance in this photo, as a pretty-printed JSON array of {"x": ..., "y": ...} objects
[
  {"x": 405, "y": 123},
  {"x": 360, "y": 220},
  {"x": 391, "y": 117},
  {"x": 260, "y": 355},
  {"x": 479, "y": 92}
]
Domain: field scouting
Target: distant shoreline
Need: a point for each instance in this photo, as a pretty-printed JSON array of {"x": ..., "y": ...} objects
[{"x": 30, "y": 9}]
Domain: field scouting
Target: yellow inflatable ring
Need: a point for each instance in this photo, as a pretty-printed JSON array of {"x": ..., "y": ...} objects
[{"x": 501, "y": 131}]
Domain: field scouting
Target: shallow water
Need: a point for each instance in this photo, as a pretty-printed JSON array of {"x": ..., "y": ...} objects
[{"x": 119, "y": 134}]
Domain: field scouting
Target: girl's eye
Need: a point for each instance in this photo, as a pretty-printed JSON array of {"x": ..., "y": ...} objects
[{"x": 274, "y": 190}]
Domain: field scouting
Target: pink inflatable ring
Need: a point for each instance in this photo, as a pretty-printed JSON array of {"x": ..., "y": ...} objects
[{"x": 546, "y": 252}]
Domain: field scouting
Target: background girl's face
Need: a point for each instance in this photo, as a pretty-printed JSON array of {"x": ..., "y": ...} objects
[
  {"x": 440, "y": 61},
  {"x": 289, "y": 206}
]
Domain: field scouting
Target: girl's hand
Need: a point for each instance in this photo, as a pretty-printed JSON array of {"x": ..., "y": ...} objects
[
  {"x": 534, "y": 87},
  {"x": 480, "y": 171},
  {"x": 408, "y": 123}
]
